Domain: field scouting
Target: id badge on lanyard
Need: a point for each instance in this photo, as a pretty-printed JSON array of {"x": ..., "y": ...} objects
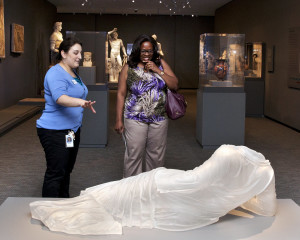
[{"x": 70, "y": 138}]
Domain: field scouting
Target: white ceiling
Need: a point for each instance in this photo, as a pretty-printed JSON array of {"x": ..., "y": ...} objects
[{"x": 145, "y": 7}]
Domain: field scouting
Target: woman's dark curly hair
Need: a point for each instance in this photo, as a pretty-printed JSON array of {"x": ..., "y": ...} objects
[
  {"x": 65, "y": 46},
  {"x": 135, "y": 58}
]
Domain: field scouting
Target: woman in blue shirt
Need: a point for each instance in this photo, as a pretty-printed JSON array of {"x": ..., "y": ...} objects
[{"x": 59, "y": 126}]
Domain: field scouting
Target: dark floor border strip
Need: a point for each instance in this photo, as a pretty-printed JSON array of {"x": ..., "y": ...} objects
[
  {"x": 14, "y": 122},
  {"x": 295, "y": 129}
]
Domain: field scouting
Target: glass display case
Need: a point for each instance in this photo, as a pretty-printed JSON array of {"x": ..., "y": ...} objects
[
  {"x": 221, "y": 60},
  {"x": 254, "y": 60},
  {"x": 94, "y": 43}
]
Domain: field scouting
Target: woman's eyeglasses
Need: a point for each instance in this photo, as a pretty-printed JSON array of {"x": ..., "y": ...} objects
[{"x": 146, "y": 51}]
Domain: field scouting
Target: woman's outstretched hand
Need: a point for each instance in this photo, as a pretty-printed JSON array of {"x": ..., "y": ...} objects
[{"x": 89, "y": 104}]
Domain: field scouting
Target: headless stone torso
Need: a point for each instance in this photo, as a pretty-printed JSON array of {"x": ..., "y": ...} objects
[{"x": 55, "y": 40}]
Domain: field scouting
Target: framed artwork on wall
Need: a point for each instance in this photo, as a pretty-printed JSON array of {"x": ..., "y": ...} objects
[
  {"x": 17, "y": 38},
  {"x": 2, "y": 32}
]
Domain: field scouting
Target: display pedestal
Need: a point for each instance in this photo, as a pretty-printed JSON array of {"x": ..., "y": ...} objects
[
  {"x": 218, "y": 83},
  {"x": 112, "y": 85},
  {"x": 220, "y": 116},
  {"x": 88, "y": 75},
  {"x": 255, "y": 92},
  {"x": 16, "y": 224},
  {"x": 94, "y": 130}
]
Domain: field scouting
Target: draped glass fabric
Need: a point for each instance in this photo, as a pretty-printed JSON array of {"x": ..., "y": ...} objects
[{"x": 168, "y": 199}]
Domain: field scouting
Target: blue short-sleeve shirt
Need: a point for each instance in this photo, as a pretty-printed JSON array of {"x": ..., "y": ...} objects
[{"x": 57, "y": 117}]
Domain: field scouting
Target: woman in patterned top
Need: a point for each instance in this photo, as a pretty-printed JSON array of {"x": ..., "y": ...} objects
[{"x": 141, "y": 101}]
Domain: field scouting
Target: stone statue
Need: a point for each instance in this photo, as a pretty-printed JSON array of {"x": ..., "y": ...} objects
[
  {"x": 114, "y": 62},
  {"x": 210, "y": 61},
  {"x": 224, "y": 55},
  {"x": 55, "y": 39},
  {"x": 87, "y": 59},
  {"x": 158, "y": 45}
]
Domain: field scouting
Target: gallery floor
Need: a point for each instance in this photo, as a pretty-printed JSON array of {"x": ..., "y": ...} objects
[{"x": 22, "y": 162}]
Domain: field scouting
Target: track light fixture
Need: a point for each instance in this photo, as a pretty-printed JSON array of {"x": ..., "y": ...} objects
[
  {"x": 84, "y": 2},
  {"x": 176, "y": 5}
]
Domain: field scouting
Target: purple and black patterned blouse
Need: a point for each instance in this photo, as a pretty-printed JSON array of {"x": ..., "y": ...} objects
[{"x": 146, "y": 96}]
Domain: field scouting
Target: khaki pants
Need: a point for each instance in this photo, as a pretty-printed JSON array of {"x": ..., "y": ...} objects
[{"x": 147, "y": 140}]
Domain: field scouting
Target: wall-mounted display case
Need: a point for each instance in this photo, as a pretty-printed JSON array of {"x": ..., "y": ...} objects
[
  {"x": 221, "y": 60},
  {"x": 254, "y": 60}
]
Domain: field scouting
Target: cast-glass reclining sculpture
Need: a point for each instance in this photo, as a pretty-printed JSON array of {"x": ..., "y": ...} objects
[{"x": 168, "y": 199}]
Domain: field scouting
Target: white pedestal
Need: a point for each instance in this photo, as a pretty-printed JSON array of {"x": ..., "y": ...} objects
[{"x": 16, "y": 224}]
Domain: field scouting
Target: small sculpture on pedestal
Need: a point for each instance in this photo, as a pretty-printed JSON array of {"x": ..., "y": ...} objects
[
  {"x": 210, "y": 60},
  {"x": 114, "y": 62},
  {"x": 55, "y": 39},
  {"x": 87, "y": 59},
  {"x": 221, "y": 68}
]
